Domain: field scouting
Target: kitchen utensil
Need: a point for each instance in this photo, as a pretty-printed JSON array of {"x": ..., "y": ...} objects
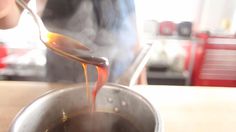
[
  {"x": 60, "y": 105},
  {"x": 167, "y": 28},
  {"x": 184, "y": 29},
  {"x": 64, "y": 45},
  {"x": 52, "y": 108}
]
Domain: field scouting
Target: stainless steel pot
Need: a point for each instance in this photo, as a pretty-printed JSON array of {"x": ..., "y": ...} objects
[{"x": 60, "y": 105}]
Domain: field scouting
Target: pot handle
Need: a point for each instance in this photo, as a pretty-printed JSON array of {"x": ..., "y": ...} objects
[{"x": 130, "y": 76}]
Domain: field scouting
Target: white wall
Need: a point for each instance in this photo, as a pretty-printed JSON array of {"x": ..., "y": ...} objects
[
  {"x": 206, "y": 14},
  {"x": 181, "y": 10},
  {"x": 162, "y": 10},
  {"x": 214, "y": 12}
]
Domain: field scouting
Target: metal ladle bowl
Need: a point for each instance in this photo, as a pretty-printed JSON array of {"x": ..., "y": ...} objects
[{"x": 64, "y": 45}]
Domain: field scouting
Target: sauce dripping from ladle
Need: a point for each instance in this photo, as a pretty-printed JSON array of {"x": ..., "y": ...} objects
[{"x": 74, "y": 50}]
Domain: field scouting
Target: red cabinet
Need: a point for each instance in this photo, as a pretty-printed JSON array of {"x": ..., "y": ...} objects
[
  {"x": 3, "y": 53},
  {"x": 215, "y": 61}
]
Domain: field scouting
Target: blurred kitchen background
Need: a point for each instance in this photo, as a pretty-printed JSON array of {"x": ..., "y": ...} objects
[{"x": 194, "y": 44}]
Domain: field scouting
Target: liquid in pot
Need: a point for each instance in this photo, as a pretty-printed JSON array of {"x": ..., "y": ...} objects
[{"x": 95, "y": 122}]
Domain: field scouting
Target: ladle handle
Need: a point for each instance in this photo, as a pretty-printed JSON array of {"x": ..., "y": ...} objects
[
  {"x": 35, "y": 16},
  {"x": 130, "y": 77}
]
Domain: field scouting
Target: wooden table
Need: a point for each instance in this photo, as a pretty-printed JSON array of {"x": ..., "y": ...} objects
[{"x": 182, "y": 108}]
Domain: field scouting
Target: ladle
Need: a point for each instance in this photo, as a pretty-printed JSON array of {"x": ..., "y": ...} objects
[{"x": 64, "y": 45}]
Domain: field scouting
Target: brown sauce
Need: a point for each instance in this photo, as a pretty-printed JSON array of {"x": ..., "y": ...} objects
[
  {"x": 95, "y": 122},
  {"x": 73, "y": 49}
]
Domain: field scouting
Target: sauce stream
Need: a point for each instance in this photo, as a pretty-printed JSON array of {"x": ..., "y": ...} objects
[{"x": 73, "y": 49}]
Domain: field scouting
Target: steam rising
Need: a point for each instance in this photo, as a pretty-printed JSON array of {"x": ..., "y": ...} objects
[{"x": 105, "y": 26}]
